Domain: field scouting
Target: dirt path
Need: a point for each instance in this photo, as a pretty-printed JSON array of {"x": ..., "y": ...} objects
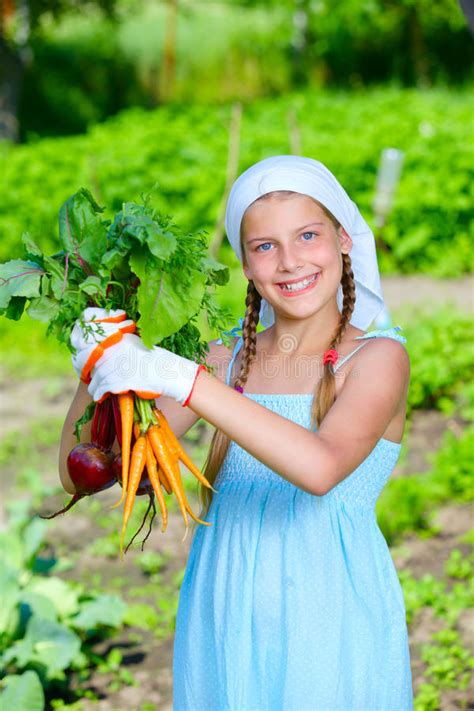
[{"x": 417, "y": 290}]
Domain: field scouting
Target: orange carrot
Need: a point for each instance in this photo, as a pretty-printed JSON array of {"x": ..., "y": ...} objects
[
  {"x": 164, "y": 480},
  {"x": 126, "y": 404},
  {"x": 179, "y": 449},
  {"x": 198, "y": 520},
  {"x": 137, "y": 466},
  {"x": 155, "y": 482},
  {"x": 170, "y": 466}
]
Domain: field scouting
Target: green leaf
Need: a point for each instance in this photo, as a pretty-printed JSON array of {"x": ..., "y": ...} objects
[
  {"x": 15, "y": 308},
  {"x": 165, "y": 302},
  {"x": 10, "y": 590},
  {"x": 33, "y": 536},
  {"x": 23, "y": 692},
  {"x": 43, "y": 309},
  {"x": 106, "y": 610},
  {"x": 38, "y": 605},
  {"x": 57, "y": 275},
  {"x": 32, "y": 249},
  {"x": 46, "y": 643},
  {"x": 84, "y": 419},
  {"x": 63, "y": 596},
  {"x": 13, "y": 552},
  {"x": 81, "y": 229},
  {"x": 139, "y": 223},
  {"x": 19, "y": 278},
  {"x": 218, "y": 272},
  {"x": 91, "y": 285}
]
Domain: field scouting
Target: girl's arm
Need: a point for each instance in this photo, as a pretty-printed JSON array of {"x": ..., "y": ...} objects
[{"x": 315, "y": 461}]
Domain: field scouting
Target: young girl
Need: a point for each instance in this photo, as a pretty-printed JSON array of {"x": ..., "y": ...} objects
[{"x": 290, "y": 600}]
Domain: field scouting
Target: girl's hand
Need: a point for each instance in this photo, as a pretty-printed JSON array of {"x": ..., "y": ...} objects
[
  {"x": 130, "y": 365},
  {"x": 96, "y": 330}
]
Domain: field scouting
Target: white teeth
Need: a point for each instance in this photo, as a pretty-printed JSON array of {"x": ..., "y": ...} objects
[{"x": 300, "y": 284}]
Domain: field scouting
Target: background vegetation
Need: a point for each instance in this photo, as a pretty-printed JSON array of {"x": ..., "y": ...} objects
[{"x": 175, "y": 98}]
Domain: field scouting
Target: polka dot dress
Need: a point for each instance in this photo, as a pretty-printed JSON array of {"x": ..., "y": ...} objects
[{"x": 291, "y": 602}]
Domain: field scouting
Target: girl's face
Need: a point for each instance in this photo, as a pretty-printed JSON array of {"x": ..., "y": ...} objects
[{"x": 291, "y": 239}]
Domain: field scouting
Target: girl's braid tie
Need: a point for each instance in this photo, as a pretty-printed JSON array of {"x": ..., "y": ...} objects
[
  {"x": 239, "y": 388},
  {"x": 330, "y": 356}
]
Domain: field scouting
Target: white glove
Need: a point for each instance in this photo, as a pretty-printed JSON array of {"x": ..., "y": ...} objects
[
  {"x": 130, "y": 365},
  {"x": 96, "y": 330}
]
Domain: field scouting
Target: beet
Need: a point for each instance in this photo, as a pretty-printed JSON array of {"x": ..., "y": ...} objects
[{"x": 90, "y": 469}]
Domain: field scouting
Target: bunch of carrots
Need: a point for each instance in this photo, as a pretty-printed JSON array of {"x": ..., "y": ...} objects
[{"x": 151, "y": 460}]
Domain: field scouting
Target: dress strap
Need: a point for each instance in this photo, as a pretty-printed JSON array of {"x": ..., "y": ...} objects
[
  {"x": 336, "y": 367},
  {"x": 385, "y": 333}
]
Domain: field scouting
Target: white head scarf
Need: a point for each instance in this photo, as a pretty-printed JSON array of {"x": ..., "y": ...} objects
[{"x": 310, "y": 177}]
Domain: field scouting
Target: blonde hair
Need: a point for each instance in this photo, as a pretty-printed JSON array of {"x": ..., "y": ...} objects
[{"x": 325, "y": 390}]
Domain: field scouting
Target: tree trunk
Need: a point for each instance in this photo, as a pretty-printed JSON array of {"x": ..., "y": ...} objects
[
  {"x": 11, "y": 75},
  {"x": 169, "y": 56},
  {"x": 419, "y": 52}
]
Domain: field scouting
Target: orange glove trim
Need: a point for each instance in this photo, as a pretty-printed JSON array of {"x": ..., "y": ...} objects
[
  {"x": 98, "y": 351},
  {"x": 111, "y": 319}
]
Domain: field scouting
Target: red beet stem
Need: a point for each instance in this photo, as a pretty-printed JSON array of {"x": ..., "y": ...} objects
[
  {"x": 117, "y": 418},
  {"x": 71, "y": 503}
]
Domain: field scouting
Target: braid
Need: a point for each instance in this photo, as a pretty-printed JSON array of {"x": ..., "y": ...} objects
[
  {"x": 249, "y": 333},
  {"x": 326, "y": 388},
  {"x": 220, "y": 441}
]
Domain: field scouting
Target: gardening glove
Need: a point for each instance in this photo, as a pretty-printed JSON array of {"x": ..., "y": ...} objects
[
  {"x": 96, "y": 330},
  {"x": 149, "y": 372}
]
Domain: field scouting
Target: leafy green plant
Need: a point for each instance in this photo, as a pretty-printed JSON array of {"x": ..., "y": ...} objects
[
  {"x": 429, "y": 231},
  {"x": 408, "y": 503},
  {"x": 441, "y": 349},
  {"x": 47, "y": 626},
  {"x": 448, "y": 663}
]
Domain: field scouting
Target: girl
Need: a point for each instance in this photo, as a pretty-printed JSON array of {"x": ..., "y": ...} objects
[{"x": 290, "y": 600}]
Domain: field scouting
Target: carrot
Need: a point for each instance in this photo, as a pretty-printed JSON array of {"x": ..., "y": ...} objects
[
  {"x": 179, "y": 449},
  {"x": 198, "y": 520},
  {"x": 164, "y": 480},
  {"x": 137, "y": 466},
  {"x": 169, "y": 465},
  {"x": 155, "y": 482},
  {"x": 126, "y": 405}
]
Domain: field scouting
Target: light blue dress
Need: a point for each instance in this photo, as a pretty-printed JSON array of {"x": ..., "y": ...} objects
[{"x": 291, "y": 602}]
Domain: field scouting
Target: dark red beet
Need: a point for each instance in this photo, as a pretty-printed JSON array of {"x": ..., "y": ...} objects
[{"x": 90, "y": 469}]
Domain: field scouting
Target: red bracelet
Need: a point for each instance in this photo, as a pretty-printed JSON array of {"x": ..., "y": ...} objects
[{"x": 201, "y": 368}]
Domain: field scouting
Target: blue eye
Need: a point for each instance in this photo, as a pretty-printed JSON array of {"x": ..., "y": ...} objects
[
  {"x": 313, "y": 234},
  {"x": 263, "y": 245}
]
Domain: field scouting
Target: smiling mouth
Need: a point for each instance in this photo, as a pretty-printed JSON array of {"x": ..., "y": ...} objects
[{"x": 298, "y": 285}]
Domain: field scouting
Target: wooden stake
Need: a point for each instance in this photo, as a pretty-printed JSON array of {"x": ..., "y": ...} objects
[{"x": 232, "y": 168}]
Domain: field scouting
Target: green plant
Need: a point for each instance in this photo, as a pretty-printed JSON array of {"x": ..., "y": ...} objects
[
  {"x": 408, "y": 503},
  {"x": 448, "y": 664},
  {"x": 441, "y": 352},
  {"x": 48, "y": 626}
]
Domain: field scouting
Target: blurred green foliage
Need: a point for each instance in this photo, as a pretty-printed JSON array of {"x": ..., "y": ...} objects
[
  {"x": 407, "y": 503},
  {"x": 87, "y": 66},
  {"x": 441, "y": 349},
  {"x": 184, "y": 149},
  {"x": 48, "y": 626}
]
